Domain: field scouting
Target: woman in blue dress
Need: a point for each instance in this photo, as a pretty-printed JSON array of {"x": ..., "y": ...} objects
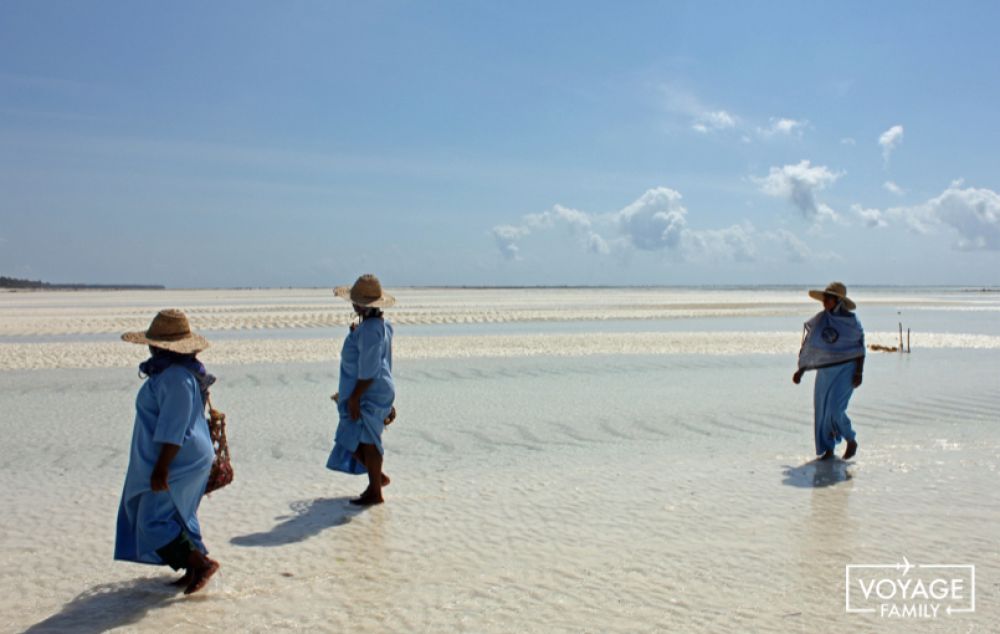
[
  {"x": 833, "y": 344},
  {"x": 171, "y": 455},
  {"x": 366, "y": 392}
]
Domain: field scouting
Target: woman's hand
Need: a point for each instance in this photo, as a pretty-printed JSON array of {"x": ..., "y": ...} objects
[
  {"x": 354, "y": 400},
  {"x": 161, "y": 470},
  {"x": 856, "y": 381},
  {"x": 158, "y": 481},
  {"x": 797, "y": 377}
]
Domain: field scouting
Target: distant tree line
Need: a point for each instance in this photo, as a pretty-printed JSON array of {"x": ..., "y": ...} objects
[{"x": 13, "y": 282}]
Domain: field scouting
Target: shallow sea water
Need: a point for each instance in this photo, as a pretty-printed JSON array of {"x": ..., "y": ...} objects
[{"x": 605, "y": 493}]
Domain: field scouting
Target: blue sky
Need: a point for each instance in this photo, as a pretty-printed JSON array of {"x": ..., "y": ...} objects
[{"x": 302, "y": 143}]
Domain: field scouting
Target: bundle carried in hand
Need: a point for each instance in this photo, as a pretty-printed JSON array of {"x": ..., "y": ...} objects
[{"x": 222, "y": 466}]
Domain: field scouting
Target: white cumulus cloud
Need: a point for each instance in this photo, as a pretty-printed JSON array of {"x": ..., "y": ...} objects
[
  {"x": 678, "y": 100},
  {"x": 918, "y": 219},
  {"x": 654, "y": 221},
  {"x": 893, "y": 188},
  {"x": 732, "y": 243},
  {"x": 870, "y": 217},
  {"x": 579, "y": 223},
  {"x": 973, "y": 213},
  {"x": 798, "y": 184},
  {"x": 889, "y": 140},
  {"x": 706, "y": 119},
  {"x": 506, "y": 237},
  {"x": 597, "y": 244},
  {"x": 575, "y": 219},
  {"x": 711, "y": 121},
  {"x": 795, "y": 249},
  {"x": 782, "y": 127}
]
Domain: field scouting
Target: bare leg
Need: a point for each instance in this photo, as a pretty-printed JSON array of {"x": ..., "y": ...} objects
[
  {"x": 372, "y": 460},
  {"x": 385, "y": 481},
  {"x": 183, "y": 581},
  {"x": 201, "y": 569},
  {"x": 852, "y": 448},
  {"x": 360, "y": 457}
]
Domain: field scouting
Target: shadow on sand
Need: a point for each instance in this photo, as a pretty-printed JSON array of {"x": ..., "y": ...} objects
[
  {"x": 110, "y": 605},
  {"x": 818, "y": 473},
  {"x": 309, "y": 518}
]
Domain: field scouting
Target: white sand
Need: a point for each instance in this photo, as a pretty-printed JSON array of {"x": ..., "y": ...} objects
[
  {"x": 575, "y": 481},
  {"x": 85, "y": 325},
  {"x": 104, "y": 312},
  {"x": 115, "y": 354}
]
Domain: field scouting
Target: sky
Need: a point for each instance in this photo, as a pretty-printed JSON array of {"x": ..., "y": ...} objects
[{"x": 249, "y": 143}]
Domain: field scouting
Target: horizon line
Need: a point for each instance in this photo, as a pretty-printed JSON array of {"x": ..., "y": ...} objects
[{"x": 161, "y": 287}]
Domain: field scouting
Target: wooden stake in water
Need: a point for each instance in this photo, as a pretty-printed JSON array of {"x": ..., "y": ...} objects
[
  {"x": 900, "y": 336},
  {"x": 907, "y": 340}
]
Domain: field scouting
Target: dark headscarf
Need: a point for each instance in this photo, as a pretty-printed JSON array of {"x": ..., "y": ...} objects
[
  {"x": 163, "y": 359},
  {"x": 368, "y": 313}
]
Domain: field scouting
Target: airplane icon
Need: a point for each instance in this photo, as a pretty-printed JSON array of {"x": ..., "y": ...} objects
[{"x": 905, "y": 566}]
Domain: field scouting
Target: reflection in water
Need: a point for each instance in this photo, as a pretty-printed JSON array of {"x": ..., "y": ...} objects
[
  {"x": 371, "y": 563},
  {"x": 818, "y": 473},
  {"x": 826, "y": 536}
]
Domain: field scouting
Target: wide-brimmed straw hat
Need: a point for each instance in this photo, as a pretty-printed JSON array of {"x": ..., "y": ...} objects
[
  {"x": 367, "y": 292},
  {"x": 837, "y": 289},
  {"x": 169, "y": 330}
]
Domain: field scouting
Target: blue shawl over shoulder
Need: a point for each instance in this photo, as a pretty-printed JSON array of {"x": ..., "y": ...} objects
[{"x": 831, "y": 338}]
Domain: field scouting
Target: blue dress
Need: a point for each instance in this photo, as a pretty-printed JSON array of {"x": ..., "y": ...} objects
[
  {"x": 367, "y": 354},
  {"x": 833, "y": 342},
  {"x": 832, "y": 393},
  {"x": 169, "y": 410}
]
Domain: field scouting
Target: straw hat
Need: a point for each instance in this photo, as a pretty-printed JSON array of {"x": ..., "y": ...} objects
[
  {"x": 837, "y": 289},
  {"x": 169, "y": 330},
  {"x": 367, "y": 292}
]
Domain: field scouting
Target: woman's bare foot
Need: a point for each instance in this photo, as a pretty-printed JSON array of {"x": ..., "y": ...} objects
[
  {"x": 368, "y": 499},
  {"x": 852, "y": 448},
  {"x": 183, "y": 581},
  {"x": 368, "y": 491},
  {"x": 201, "y": 575},
  {"x": 827, "y": 455}
]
